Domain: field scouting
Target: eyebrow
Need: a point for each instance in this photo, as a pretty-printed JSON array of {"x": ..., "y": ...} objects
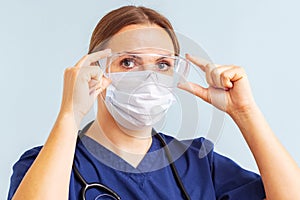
[
  {"x": 134, "y": 52},
  {"x": 163, "y": 56}
]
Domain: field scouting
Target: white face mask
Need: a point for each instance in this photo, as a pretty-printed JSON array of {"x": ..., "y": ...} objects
[{"x": 137, "y": 100}]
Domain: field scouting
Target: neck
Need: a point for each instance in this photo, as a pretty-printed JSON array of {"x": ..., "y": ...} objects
[{"x": 129, "y": 145}]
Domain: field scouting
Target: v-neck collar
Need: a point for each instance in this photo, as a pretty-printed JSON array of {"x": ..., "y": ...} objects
[{"x": 112, "y": 160}]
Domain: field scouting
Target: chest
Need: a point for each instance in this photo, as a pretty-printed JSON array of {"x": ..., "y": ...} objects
[{"x": 158, "y": 184}]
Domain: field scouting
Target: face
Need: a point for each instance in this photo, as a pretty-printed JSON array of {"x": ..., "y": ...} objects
[{"x": 138, "y": 48}]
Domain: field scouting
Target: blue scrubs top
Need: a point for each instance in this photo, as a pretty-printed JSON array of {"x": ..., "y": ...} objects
[{"x": 205, "y": 174}]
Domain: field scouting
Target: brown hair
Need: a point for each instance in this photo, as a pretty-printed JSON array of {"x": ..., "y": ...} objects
[{"x": 117, "y": 19}]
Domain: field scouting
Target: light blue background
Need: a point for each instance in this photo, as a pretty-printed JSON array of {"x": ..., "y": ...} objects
[{"x": 40, "y": 38}]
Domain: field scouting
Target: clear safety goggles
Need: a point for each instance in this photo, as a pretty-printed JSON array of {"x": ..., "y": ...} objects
[{"x": 160, "y": 63}]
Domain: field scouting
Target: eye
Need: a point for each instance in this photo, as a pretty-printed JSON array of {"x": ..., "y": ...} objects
[
  {"x": 163, "y": 65},
  {"x": 127, "y": 63}
]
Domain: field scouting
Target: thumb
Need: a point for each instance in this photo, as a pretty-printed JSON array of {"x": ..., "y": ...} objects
[{"x": 195, "y": 89}]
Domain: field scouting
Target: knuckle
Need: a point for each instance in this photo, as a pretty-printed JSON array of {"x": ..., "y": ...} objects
[
  {"x": 85, "y": 57},
  {"x": 71, "y": 71},
  {"x": 212, "y": 72},
  {"x": 210, "y": 67},
  {"x": 75, "y": 71},
  {"x": 242, "y": 69},
  {"x": 83, "y": 60},
  {"x": 238, "y": 67},
  {"x": 216, "y": 71},
  {"x": 67, "y": 70},
  {"x": 223, "y": 75}
]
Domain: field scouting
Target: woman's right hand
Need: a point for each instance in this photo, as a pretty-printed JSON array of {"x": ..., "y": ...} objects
[{"x": 82, "y": 84}]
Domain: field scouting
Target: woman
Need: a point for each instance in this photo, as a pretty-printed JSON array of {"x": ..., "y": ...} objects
[{"x": 46, "y": 172}]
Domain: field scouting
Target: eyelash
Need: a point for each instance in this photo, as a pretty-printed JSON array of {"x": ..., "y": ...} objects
[
  {"x": 134, "y": 62},
  {"x": 126, "y": 60},
  {"x": 164, "y": 63}
]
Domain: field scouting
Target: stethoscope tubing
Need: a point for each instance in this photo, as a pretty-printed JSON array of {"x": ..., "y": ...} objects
[
  {"x": 87, "y": 186},
  {"x": 173, "y": 167}
]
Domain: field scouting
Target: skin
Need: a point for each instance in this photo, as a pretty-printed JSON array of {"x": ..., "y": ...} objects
[{"x": 84, "y": 83}]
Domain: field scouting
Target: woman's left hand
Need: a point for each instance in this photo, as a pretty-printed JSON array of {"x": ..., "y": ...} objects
[{"x": 228, "y": 90}]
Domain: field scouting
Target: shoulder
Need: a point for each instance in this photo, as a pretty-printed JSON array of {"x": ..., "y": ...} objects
[
  {"x": 196, "y": 142},
  {"x": 200, "y": 146},
  {"x": 229, "y": 179},
  {"x": 191, "y": 153},
  {"x": 21, "y": 167},
  {"x": 27, "y": 158}
]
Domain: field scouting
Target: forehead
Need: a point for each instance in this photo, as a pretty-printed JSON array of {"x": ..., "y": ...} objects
[{"x": 134, "y": 37}]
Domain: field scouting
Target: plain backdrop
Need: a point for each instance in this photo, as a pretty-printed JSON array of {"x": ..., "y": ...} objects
[{"x": 38, "y": 39}]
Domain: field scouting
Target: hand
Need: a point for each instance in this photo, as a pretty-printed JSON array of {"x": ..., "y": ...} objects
[
  {"x": 82, "y": 84},
  {"x": 228, "y": 90}
]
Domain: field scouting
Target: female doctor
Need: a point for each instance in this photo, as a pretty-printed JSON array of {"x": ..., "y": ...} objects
[{"x": 139, "y": 43}]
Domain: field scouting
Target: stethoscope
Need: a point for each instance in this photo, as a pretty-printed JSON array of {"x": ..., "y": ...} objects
[{"x": 111, "y": 193}]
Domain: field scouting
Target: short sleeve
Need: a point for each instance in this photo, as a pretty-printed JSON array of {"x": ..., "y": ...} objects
[
  {"x": 233, "y": 182},
  {"x": 20, "y": 168}
]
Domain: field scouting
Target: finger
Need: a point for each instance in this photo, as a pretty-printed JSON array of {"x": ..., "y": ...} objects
[
  {"x": 87, "y": 60},
  {"x": 93, "y": 83},
  {"x": 200, "y": 62},
  {"x": 101, "y": 86},
  {"x": 89, "y": 73},
  {"x": 95, "y": 92},
  {"x": 95, "y": 87},
  {"x": 196, "y": 90},
  {"x": 215, "y": 75},
  {"x": 231, "y": 75},
  {"x": 205, "y": 66},
  {"x": 105, "y": 82}
]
